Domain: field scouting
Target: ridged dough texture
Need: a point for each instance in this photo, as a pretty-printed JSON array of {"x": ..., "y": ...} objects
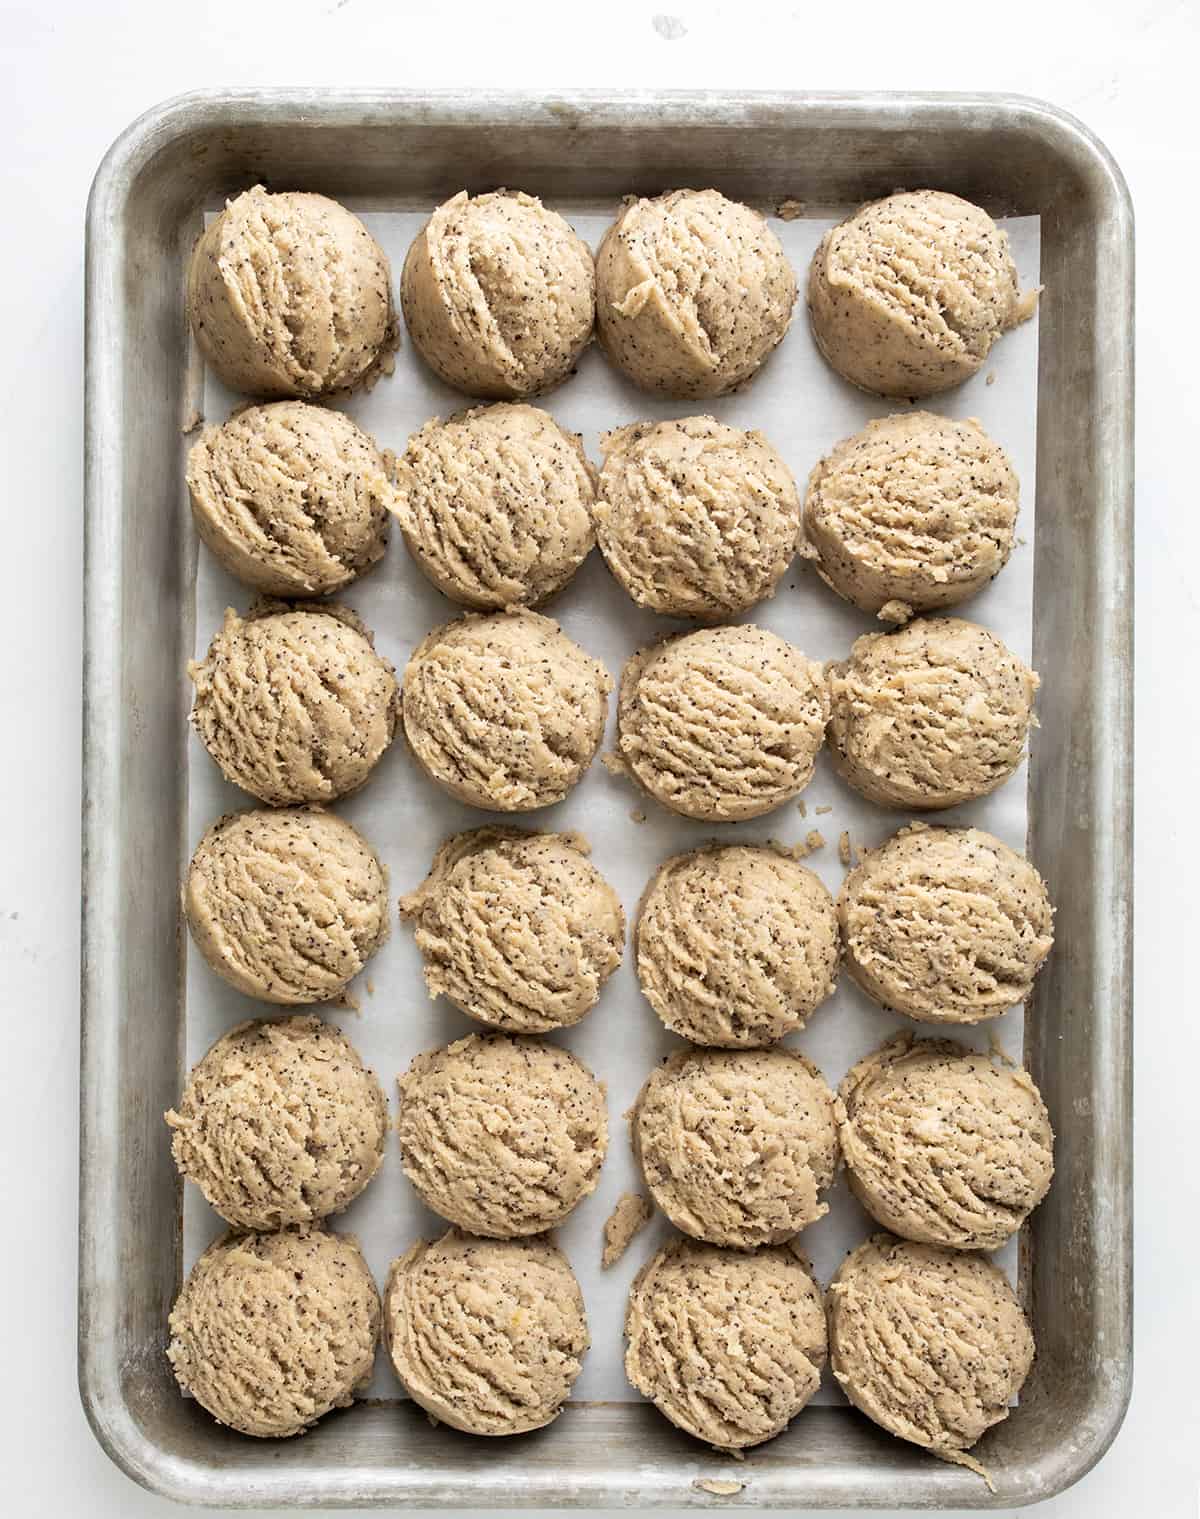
[
  {"x": 291, "y": 498},
  {"x": 727, "y": 1344},
  {"x": 488, "y": 1336},
  {"x": 280, "y": 1123},
  {"x": 290, "y": 295},
  {"x": 737, "y": 1147},
  {"x": 519, "y": 930},
  {"x": 945, "y": 925},
  {"x": 503, "y": 710},
  {"x": 907, "y": 295},
  {"x": 499, "y": 295},
  {"x": 294, "y": 705},
  {"x": 930, "y": 1343},
  {"x": 271, "y": 1331},
  {"x": 286, "y": 905},
  {"x": 944, "y": 1145},
  {"x": 722, "y": 724},
  {"x": 693, "y": 292},
  {"x": 929, "y": 717},
  {"x": 695, "y": 519},
  {"x": 914, "y": 513},
  {"x": 495, "y": 505},
  {"x": 736, "y": 945},
  {"x": 502, "y": 1135}
]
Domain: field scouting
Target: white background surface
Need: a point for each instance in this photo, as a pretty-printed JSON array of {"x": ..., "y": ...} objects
[{"x": 73, "y": 74}]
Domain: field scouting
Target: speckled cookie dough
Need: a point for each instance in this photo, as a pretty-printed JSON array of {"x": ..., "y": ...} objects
[
  {"x": 737, "y": 1147},
  {"x": 914, "y": 513},
  {"x": 495, "y": 505},
  {"x": 944, "y": 1145},
  {"x": 693, "y": 292},
  {"x": 907, "y": 296},
  {"x": 500, "y": 1135},
  {"x": 290, "y": 295},
  {"x": 722, "y": 724},
  {"x": 945, "y": 925},
  {"x": 291, "y": 498},
  {"x": 503, "y": 710},
  {"x": 286, "y": 905},
  {"x": 695, "y": 519},
  {"x": 487, "y": 1336},
  {"x": 929, "y": 717},
  {"x": 271, "y": 1331},
  {"x": 727, "y": 1344},
  {"x": 499, "y": 295},
  {"x": 280, "y": 1123},
  {"x": 931, "y": 1344},
  {"x": 630, "y": 1215},
  {"x": 294, "y": 705},
  {"x": 519, "y": 930},
  {"x": 736, "y": 945}
]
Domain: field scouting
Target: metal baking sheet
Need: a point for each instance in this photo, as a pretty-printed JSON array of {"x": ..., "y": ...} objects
[{"x": 152, "y": 600}]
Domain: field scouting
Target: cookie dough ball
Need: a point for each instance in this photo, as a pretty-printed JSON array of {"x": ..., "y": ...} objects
[
  {"x": 929, "y": 717},
  {"x": 250, "y": 1332},
  {"x": 930, "y": 1343},
  {"x": 292, "y": 499},
  {"x": 294, "y": 705},
  {"x": 721, "y": 724},
  {"x": 496, "y": 505},
  {"x": 519, "y": 930},
  {"x": 728, "y": 1344},
  {"x": 912, "y": 514},
  {"x": 737, "y": 1146},
  {"x": 693, "y": 292},
  {"x": 288, "y": 905},
  {"x": 502, "y": 1136},
  {"x": 944, "y": 1145},
  {"x": 504, "y": 711},
  {"x": 736, "y": 946},
  {"x": 695, "y": 519},
  {"x": 488, "y": 1336},
  {"x": 499, "y": 295},
  {"x": 907, "y": 296},
  {"x": 290, "y": 295},
  {"x": 945, "y": 925},
  {"x": 279, "y": 1124}
]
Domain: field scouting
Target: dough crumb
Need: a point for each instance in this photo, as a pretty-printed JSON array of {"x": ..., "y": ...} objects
[
  {"x": 637, "y": 816},
  {"x": 613, "y": 763},
  {"x": 826, "y": 807},
  {"x": 717, "y": 1487},
  {"x": 630, "y": 1216},
  {"x": 894, "y": 611},
  {"x": 789, "y": 210},
  {"x": 814, "y": 839},
  {"x": 191, "y": 421},
  {"x": 803, "y": 806},
  {"x": 991, "y": 377},
  {"x": 846, "y": 851},
  {"x": 370, "y": 988}
]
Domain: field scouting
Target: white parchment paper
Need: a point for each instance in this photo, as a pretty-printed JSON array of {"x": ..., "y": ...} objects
[{"x": 803, "y": 408}]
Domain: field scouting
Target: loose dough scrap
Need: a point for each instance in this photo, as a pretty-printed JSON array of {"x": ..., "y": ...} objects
[{"x": 633, "y": 1211}]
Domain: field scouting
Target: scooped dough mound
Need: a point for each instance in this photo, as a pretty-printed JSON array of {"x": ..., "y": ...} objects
[
  {"x": 907, "y": 296},
  {"x": 290, "y": 295},
  {"x": 736, "y": 946},
  {"x": 728, "y": 1344},
  {"x": 946, "y": 925},
  {"x": 486, "y": 1335},
  {"x": 495, "y": 505},
  {"x": 944, "y": 1145},
  {"x": 693, "y": 292},
  {"x": 504, "y": 711},
  {"x": 271, "y": 1331},
  {"x": 916, "y": 509},
  {"x": 722, "y": 724},
  {"x": 695, "y": 519},
  {"x": 291, "y": 498},
  {"x": 287, "y": 905},
  {"x": 931, "y": 716},
  {"x": 280, "y": 1123},
  {"x": 499, "y": 294},
  {"x": 930, "y": 1343},
  {"x": 294, "y": 705},
  {"x": 737, "y": 1146},
  {"x": 519, "y": 930},
  {"x": 502, "y": 1136}
]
